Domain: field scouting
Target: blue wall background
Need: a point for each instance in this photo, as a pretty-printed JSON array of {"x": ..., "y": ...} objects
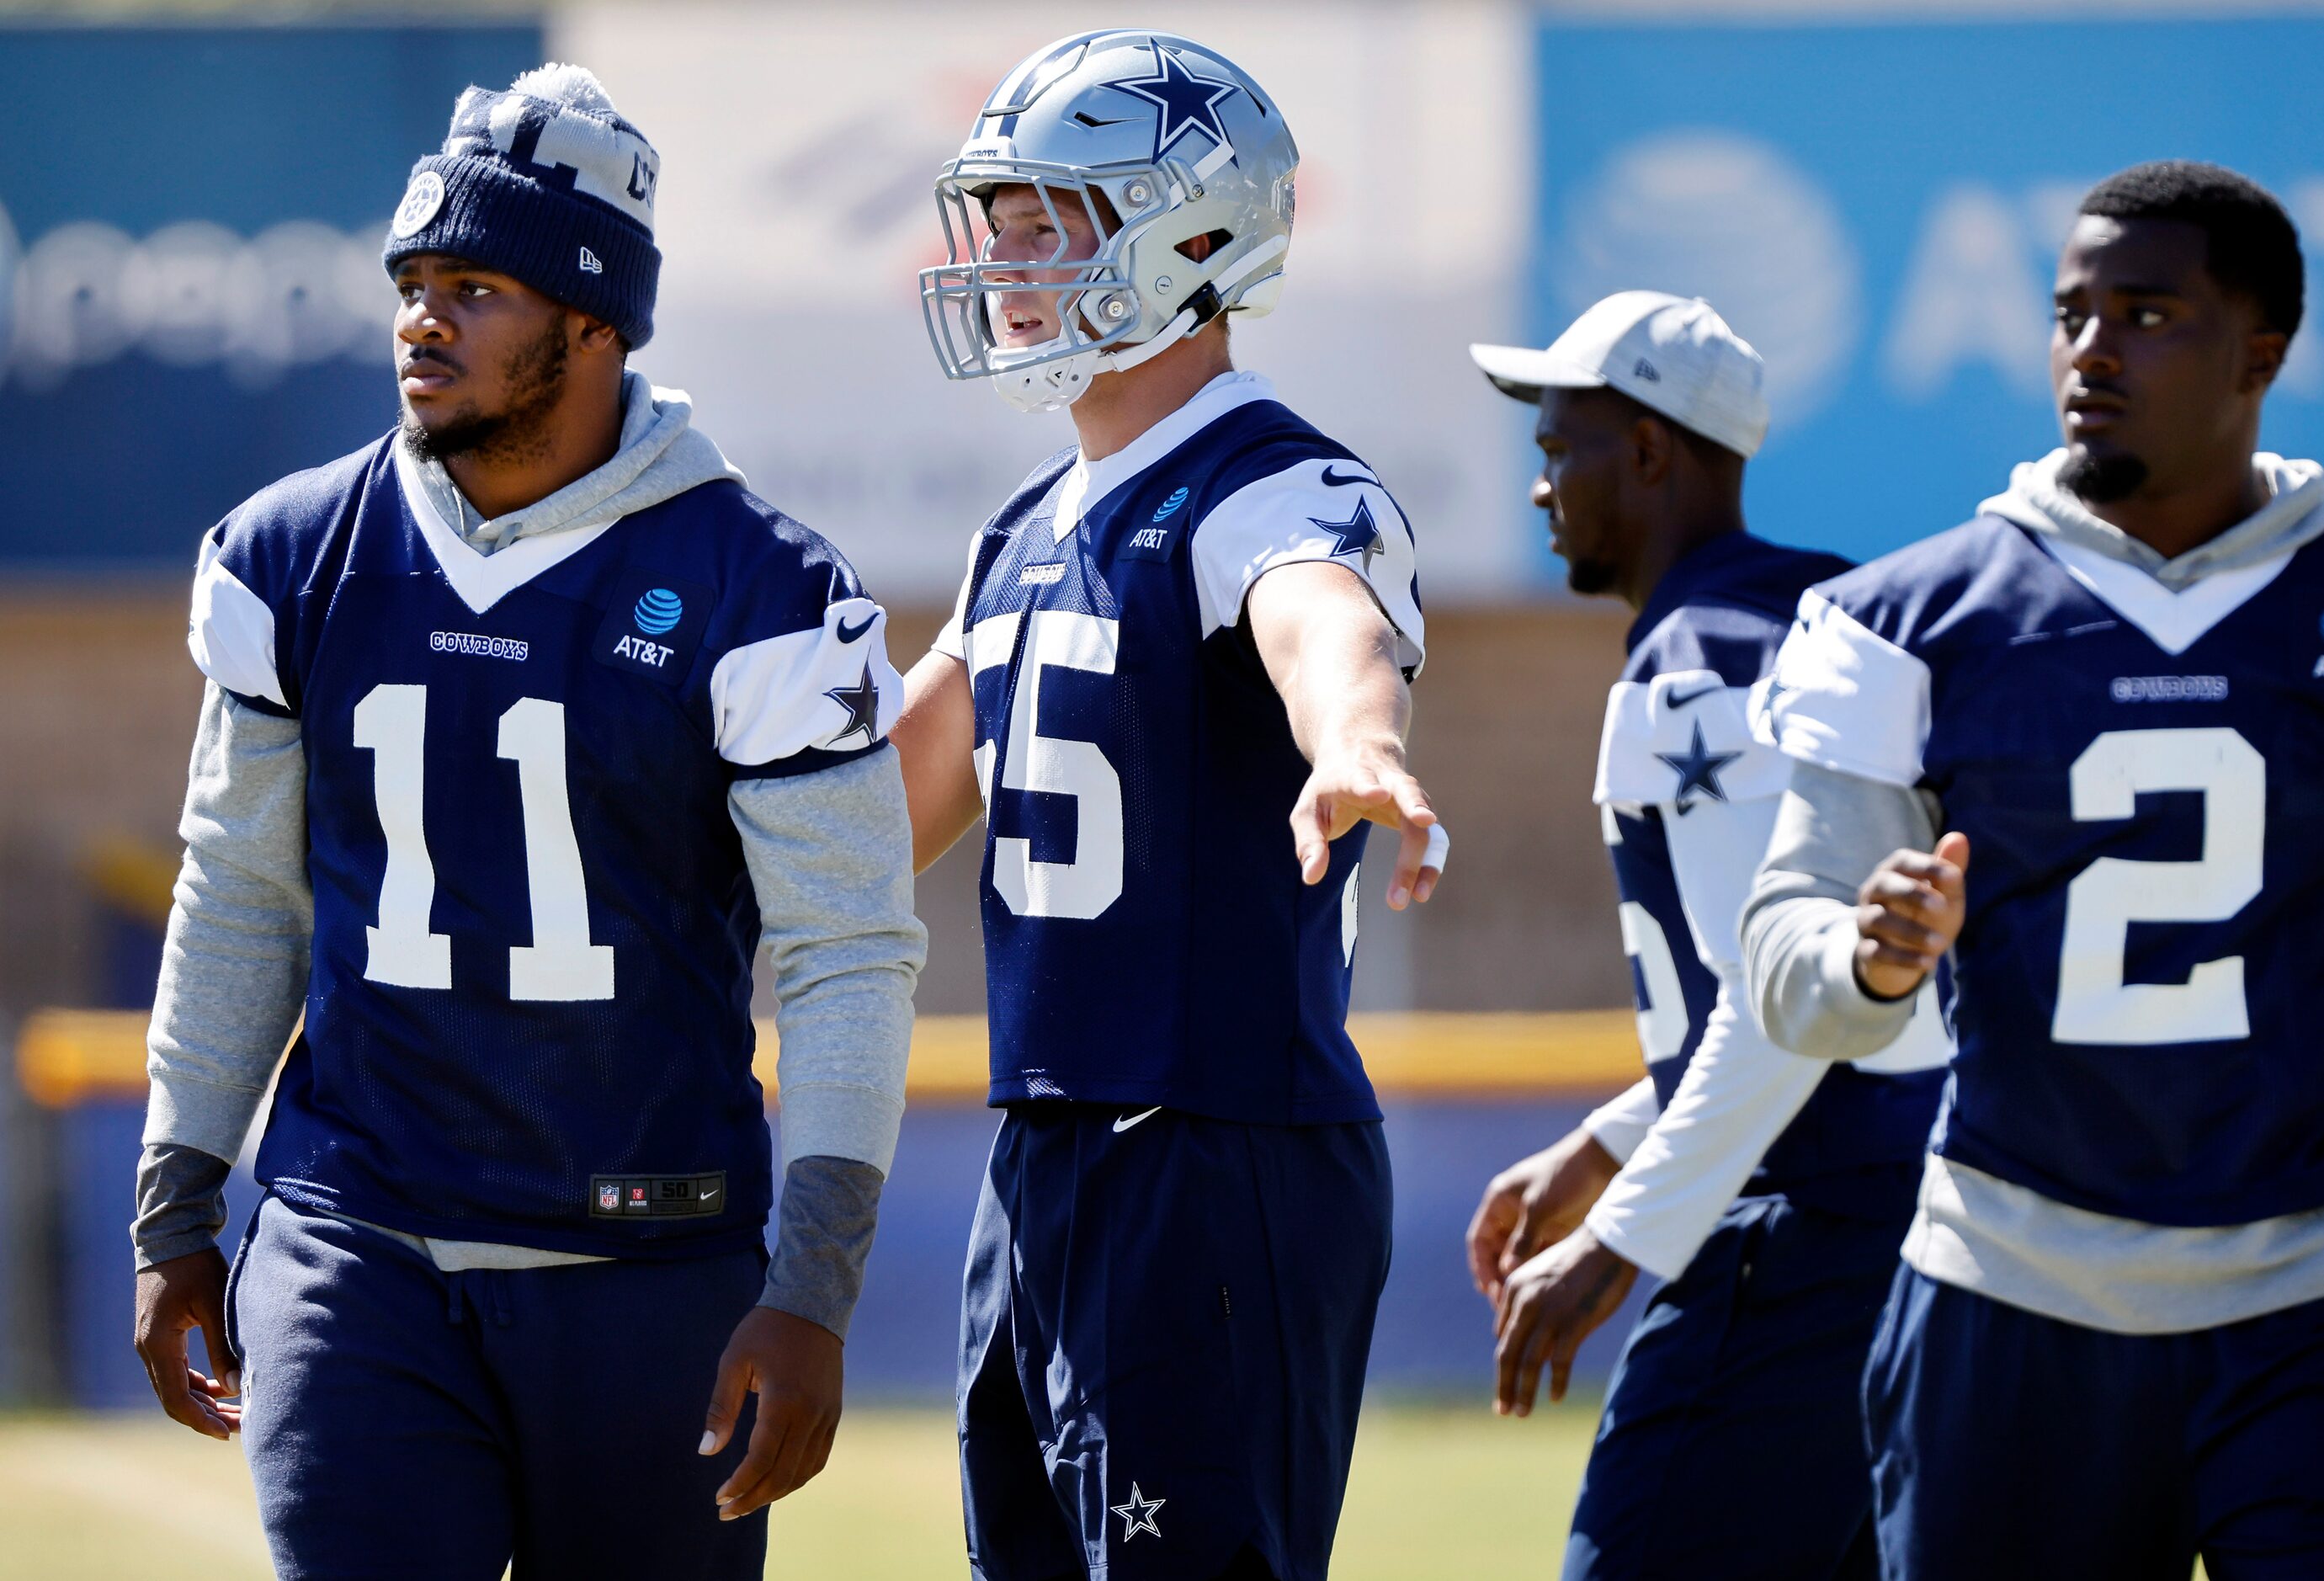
[
  {"x": 1878, "y": 208},
  {"x": 1435, "y": 1336},
  {"x": 184, "y": 248}
]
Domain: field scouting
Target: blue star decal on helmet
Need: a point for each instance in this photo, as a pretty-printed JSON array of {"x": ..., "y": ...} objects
[
  {"x": 1358, "y": 534},
  {"x": 1697, "y": 769},
  {"x": 1184, "y": 102},
  {"x": 862, "y": 702}
]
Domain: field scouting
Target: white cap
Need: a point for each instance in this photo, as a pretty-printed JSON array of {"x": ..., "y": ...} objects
[{"x": 1673, "y": 354}]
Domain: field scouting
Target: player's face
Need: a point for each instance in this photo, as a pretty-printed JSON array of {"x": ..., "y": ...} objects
[
  {"x": 1584, "y": 445},
  {"x": 1026, "y": 230},
  {"x": 479, "y": 357},
  {"x": 2151, "y": 363}
]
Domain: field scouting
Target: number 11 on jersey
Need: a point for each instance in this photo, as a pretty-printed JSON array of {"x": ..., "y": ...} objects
[{"x": 390, "y": 723}]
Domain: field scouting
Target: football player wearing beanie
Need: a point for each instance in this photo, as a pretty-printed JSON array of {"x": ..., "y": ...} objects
[{"x": 524, "y": 724}]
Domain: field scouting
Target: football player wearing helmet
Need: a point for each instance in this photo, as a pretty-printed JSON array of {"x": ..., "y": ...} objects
[{"x": 1181, "y": 633}]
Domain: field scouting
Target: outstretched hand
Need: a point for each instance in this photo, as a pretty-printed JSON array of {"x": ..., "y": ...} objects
[
  {"x": 1371, "y": 782},
  {"x": 185, "y": 1293},
  {"x": 1908, "y": 914},
  {"x": 796, "y": 1367}
]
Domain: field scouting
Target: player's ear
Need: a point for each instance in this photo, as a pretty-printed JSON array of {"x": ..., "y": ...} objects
[
  {"x": 1651, "y": 443},
  {"x": 2263, "y": 354},
  {"x": 597, "y": 335}
]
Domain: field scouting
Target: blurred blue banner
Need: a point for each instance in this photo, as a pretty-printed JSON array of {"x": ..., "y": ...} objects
[
  {"x": 191, "y": 302},
  {"x": 1878, "y": 209}
]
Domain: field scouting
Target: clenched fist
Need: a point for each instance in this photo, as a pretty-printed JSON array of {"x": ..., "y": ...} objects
[{"x": 1908, "y": 914}]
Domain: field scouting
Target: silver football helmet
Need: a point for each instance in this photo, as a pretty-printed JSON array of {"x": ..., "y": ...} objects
[{"x": 1159, "y": 141}]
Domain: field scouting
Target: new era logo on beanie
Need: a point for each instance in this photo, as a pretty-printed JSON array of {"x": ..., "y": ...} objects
[{"x": 546, "y": 182}]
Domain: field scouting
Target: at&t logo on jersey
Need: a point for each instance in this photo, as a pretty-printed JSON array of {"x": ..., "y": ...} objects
[
  {"x": 657, "y": 610},
  {"x": 643, "y": 651},
  {"x": 1153, "y": 543},
  {"x": 1171, "y": 504},
  {"x": 652, "y": 626}
]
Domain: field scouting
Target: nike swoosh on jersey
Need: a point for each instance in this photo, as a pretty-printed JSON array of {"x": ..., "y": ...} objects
[
  {"x": 1125, "y": 1122},
  {"x": 1681, "y": 700},
  {"x": 1344, "y": 482},
  {"x": 848, "y": 633}
]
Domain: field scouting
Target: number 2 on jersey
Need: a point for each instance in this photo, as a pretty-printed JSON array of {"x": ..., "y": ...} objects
[
  {"x": 390, "y": 723},
  {"x": 2095, "y": 1005}
]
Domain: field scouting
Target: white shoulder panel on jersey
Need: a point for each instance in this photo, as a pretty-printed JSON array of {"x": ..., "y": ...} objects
[
  {"x": 1846, "y": 699},
  {"x": 1683, "y": 739},
  {"x": 830, "y": 686},
  {"x": 1318, "y": 510},
  {"x": 231, "y": 632}
]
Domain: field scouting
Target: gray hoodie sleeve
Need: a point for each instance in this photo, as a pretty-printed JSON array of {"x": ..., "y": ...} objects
[
  {"x": 830, "y": 860},
  {"x": 1799, "y": 926},
  {"x": 233, "y": 969},
  {"x": 234, "y": 961}
]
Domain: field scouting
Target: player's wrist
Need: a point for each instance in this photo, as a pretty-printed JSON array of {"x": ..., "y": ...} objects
[
  {"x": 1882, "y": 983},
  {"x": 1591, "y": 1159}
]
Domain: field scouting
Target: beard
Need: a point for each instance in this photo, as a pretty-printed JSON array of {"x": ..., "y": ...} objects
[
  {"x": 534, "y": 378},
  {"x": 2101, "y": 480},
  {"x": 1589, "y": 578}
]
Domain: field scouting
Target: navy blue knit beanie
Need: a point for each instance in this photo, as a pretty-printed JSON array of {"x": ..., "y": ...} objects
[{"x": 546, "y": 182}]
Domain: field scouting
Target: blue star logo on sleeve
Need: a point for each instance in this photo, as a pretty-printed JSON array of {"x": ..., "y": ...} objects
[
  {"x": 1137, "y": 1515},
  {"x": 1185, "y": 102},
  {"x": 1358, "y": 534},
  {"x": 862, "y": 702},
  {"x": 1697, "y": 769}
]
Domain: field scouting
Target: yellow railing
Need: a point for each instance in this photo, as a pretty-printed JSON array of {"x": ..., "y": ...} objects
[{"x": 66, "y": 1057}]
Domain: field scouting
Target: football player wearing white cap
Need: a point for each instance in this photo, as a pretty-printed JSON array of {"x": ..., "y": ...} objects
[
  {"x": 1770, "y": 1192},
  {"x": 1175, "y": 686}
]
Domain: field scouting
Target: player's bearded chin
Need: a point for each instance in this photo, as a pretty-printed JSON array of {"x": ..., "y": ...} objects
[
  {"x": 534, "y": 379},
  {"x": 2100, "y": 479}
]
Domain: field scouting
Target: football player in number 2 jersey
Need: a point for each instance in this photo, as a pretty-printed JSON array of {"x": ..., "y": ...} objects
[
  {"x": 2104, "y": 1353},
  {"x": 1175, "y": 686}
]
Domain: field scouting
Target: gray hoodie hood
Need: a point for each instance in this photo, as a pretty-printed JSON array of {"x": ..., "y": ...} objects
[
  {"x": 661, "y": 456},
  {"x": 2289, "y": 519}
]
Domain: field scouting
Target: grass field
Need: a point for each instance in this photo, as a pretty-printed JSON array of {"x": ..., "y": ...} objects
[{"x": 1436, "y": 1492}]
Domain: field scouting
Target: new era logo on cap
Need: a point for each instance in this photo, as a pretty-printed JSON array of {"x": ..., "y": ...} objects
[
  {"x": 589, "y": 264},
  {"x": 1668, "y": 352}
]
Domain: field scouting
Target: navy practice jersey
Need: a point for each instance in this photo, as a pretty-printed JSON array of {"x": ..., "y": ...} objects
[
  {"x": 527, "y": 1014},
  {"x": 1147, "y": 939},
  {"x": 1678, "y": 739},
  {"x": 2141, "y": 777}
]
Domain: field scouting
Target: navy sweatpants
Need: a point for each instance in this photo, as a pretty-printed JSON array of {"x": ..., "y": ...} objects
[
  {"x": 2011, "y": 1447},
  {"x": 403, "y": 1422},
  {"x": 1732, "y": 1442},
  {"x": 1163, "y": 1339}
]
